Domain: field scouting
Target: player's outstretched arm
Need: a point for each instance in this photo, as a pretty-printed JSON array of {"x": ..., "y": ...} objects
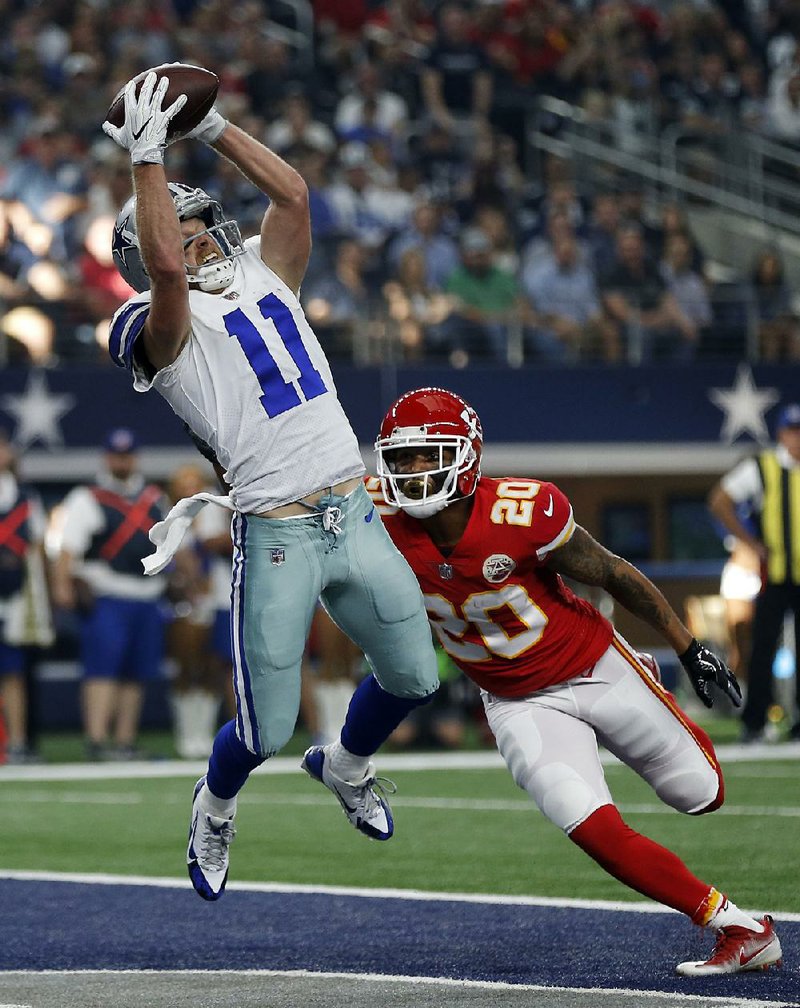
[
  {"x": 169, "y": 321},
  {"x": 286, "y": 227},
  {"x": 587, "y": 561},
  {"x": 144, "y": 135}
]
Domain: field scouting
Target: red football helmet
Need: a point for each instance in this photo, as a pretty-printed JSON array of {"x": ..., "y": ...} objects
[{"x": 430, "y": 419}]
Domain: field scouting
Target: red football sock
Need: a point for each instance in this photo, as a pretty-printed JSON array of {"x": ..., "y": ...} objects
[{"x": 640, "y": 863}]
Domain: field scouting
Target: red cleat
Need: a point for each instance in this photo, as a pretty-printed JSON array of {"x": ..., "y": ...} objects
[{"x": 738, "y": 949}]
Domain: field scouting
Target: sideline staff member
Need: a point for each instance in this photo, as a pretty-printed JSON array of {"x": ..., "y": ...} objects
[{"x": 770, "y": 482}]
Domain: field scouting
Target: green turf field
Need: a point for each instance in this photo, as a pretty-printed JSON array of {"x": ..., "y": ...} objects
[{"x": 460, "y": 830}]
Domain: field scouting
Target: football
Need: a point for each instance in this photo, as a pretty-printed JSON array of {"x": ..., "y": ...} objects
[{"x": 200, "y": 87}]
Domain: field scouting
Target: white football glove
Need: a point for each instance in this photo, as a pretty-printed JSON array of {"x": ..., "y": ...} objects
[
  {"x": 210, "y": 128},
  {"x": 144, "y": 132}
]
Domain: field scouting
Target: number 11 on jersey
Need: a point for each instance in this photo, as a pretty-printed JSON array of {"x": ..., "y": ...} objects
[{"x": 279, "y": 395}]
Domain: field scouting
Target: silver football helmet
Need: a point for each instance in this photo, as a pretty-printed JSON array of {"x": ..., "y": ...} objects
[{"x": 211, "y": 277}]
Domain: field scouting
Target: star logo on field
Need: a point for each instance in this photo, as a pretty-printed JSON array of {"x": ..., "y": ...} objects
[
  {"x": 37, "y": 412},
  {"x": 744, "y": 406}
]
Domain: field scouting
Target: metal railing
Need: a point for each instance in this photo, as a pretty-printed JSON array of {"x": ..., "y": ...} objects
[
  {"x": 299, "y": 36},
  {"x": 738, "y": 171}
]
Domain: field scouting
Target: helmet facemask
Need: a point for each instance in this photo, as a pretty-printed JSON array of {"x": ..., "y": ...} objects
[
  {"x": 213, "y": 277},
  {"x": 217, "y": 274},
  {"x": 425, "y": 493}
]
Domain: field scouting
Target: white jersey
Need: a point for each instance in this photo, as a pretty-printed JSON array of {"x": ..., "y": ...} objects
[{"x": 253, "y": 382}]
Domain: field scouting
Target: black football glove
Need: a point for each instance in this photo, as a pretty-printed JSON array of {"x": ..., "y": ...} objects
[{"x": 703, "y": 667}]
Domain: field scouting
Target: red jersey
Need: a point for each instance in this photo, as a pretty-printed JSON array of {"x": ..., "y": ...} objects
[{"x": 508, "y": 621}]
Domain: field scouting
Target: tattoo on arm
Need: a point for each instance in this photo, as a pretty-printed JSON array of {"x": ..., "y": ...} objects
[{"x": 586, "y": 560}]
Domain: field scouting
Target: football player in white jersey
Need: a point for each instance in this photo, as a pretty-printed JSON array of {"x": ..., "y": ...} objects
[{"x": 218, "y": 331}]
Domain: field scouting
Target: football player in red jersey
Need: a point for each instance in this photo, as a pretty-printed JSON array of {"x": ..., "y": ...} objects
[{"x": 555, "y": 677}]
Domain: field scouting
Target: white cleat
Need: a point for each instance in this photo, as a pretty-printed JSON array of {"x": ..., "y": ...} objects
[
  {"x": 207, "y": 854},
  {"x": 361, "y": 801},
  {"x": 738, "y": 950}
]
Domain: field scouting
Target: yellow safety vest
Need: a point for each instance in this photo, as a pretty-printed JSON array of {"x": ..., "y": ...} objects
[{"x": 780, "y": 518}]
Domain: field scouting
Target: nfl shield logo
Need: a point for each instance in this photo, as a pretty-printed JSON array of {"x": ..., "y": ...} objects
[
  {"x": 278, "y": 556},
  {"x": 446, "y": 571}
]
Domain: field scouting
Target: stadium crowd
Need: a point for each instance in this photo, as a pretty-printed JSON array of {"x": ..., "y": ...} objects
[{"x": 434, "y": 238}]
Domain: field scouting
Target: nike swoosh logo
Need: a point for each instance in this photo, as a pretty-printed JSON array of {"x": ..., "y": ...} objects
[
  {"x": 368, "y": 518},
  {"x": 136, "y": 134},
  {"x": 549, "y": 509},
  {"x": 745, "y": 959}
]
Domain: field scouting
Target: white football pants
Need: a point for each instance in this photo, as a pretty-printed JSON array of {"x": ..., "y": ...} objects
[{"x": 549, "y": 740}]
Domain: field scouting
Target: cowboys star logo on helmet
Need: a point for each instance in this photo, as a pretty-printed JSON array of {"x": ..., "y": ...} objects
[
  {"x": 435, "y": 421},
  {"x": 498, "y": 567}
]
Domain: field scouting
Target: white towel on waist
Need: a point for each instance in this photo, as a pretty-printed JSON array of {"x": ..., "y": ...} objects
[{"x": 167, "y": 535}]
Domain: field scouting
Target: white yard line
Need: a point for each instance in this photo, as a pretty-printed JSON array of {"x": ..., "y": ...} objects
[
  {"x": 61, "y": 796},
  {"x": 389, "y": 762},
  {"x": 487, "y": 985}
]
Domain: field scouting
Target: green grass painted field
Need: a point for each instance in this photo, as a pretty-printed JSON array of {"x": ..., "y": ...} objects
[{"x": 460, "y": 830}]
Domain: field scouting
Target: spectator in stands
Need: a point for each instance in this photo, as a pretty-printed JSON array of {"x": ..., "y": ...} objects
[
  {"x": 496, "y": 223},
  {"x": 778, "y": 325},
  {"x": 674, "y": 220},
  {"x": 338, "y": 305},
  {"x": 487, "y": 301},
  {"x": 601, "y": 230},
  {"x": 634, "y": 209},
  {"x": 456, "y": 82},
  {"x": 25, "y": 618},
  {"x": 297, "y": 127},
  {"x": 416, "y": 311},
  {"x": 45, "y": 191},
  {"x": 84, "y": 100},
  {"x": 636, "y": 300},
  {"x": 368, "y": 109},
  {"x": 398, "y": 185},
  {"x": 98, "y": 574},
  {"x": 569, "y": 323},
  {"x": 560, "y": 199},
  {"x": 445, "y": 170},
  {"x": 541, "y": 247},
  {"x": 493, "y": 176},
  {"x": 685, "y": 284},
  {"x": 426, "y": 233},
  {"x": 360, "y": 204},
  {"x": 754, "y": 111},
  {"x": 270, "y": 72},
  {"x": 314, "y": 166},
  {"x": 712, "y": 105},
  {"x": 109, "y": 179}
]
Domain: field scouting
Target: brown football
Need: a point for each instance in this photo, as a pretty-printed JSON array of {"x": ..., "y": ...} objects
[{"x": 200, "y": 87}]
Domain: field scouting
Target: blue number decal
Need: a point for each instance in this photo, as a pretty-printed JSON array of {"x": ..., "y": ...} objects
[{"x": 279, "y": 394}]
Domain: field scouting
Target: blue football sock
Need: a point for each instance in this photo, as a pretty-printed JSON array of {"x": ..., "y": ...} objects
[
  {"x": 373, "y": 715},
  {"x": 230, "y": 763}
]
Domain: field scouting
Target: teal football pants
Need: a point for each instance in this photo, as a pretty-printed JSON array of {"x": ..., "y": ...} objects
[{"x": 281, "y": 567}]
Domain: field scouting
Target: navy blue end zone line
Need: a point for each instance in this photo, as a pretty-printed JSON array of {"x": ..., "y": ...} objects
[{"x": 70, "y": 925}]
